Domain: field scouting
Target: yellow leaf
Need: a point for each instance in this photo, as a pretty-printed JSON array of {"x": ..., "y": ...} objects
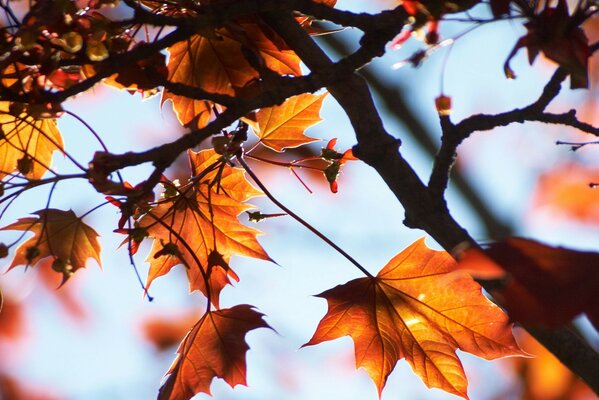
[
  {"x": 59, "y": 234},
  {"x": 26, "y": 137},
  {"x": 283, "y": 126},
  {"x": 216, "y": 64}
]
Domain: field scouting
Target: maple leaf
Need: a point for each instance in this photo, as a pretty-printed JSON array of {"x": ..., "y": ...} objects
[
  {"x": 200, "y": 224},
  {"x": 216, "y": 64},
  {"x": 419, "y": 308},
  {"x": 544, "y": 285},
  {"x": 283, "y": 126},
  {"x": 26, "y": 138},
  {"x": 215, "y": 347},
  {"x": 558, "y": 35},
  {"x": 59, "y": 234}
]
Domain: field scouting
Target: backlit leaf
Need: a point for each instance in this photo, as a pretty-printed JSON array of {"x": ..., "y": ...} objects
[
  {"x": 216, "y": 64},
  {"x": 215, "y": 347},
  {"x": 201, "y": 223},
  {"x": 24, "y": 137},
  {"x": 283, "y": 126},
  {"x": 421, "y": 309},
  {"x": 58, "y": 234}
]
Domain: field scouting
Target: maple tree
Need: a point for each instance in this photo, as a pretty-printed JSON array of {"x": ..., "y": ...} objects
[{"x": 232, "y": 71}]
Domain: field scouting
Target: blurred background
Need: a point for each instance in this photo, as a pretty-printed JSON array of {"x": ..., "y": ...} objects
[{"x": 97, "y": 337}]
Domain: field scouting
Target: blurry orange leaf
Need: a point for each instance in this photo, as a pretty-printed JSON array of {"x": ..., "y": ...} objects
[
  {"x": 418, "y": 308},
  {"x": 216, "y": 64},
  {"x": 25, "y": 138},
  {"x": 215, "y": 347},
  {"x": 283, "y": 126},
  {"x": 566, "y": 191},
  {"x": 544, "y": 377},
  {"x": 67, "y": 295},
  {"x": 199, "y": 228},
  {"x": 544, "y": 285},
  {"x": 163, "y": 332},
  {"x": 12, "y": 319},
  {"x": 58, "y": 234},
  {"x": 13, "y": 389}
]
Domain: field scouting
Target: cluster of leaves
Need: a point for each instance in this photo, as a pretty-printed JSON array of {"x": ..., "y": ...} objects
[{"x": 234, "y": 66}]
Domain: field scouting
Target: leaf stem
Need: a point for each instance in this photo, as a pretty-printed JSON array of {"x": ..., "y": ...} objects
[{"x": 300, "y": 219}]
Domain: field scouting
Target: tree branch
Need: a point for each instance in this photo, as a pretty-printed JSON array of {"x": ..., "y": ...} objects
[{"x": 380, "y": 150}]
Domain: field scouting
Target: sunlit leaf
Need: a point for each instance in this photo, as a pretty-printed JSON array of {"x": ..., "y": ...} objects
[
  {"x": 283, "y": 126},
  {"x": 23, "y": 137},
  {"x": 215, "y": 347},
  {"x": 200, "y": 224},
  {"x": 58, "y": 234},
  {"x": 216, "y": 64},
  {"x": 421, "y": 309}
]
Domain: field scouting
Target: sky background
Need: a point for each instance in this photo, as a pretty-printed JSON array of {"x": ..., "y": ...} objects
[{"x": 104, "y": 355}]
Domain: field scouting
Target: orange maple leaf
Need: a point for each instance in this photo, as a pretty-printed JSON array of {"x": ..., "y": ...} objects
[
  {"x": 565, "y": 191},
  {"x": 26, "y": 138},
  {"x": 283, "y": 126},
  {"x": 215, "y": 347},
  {"x": 58, "y": 234},
  {"x": 201, "y": 223},
  {"x": 216, "y": 64},
  {"x": 542, "y": 377},
  {"x": 165, "y": 331},
  {"x": 421, "y": 309},
  {"x": 544, "y": 285}
]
